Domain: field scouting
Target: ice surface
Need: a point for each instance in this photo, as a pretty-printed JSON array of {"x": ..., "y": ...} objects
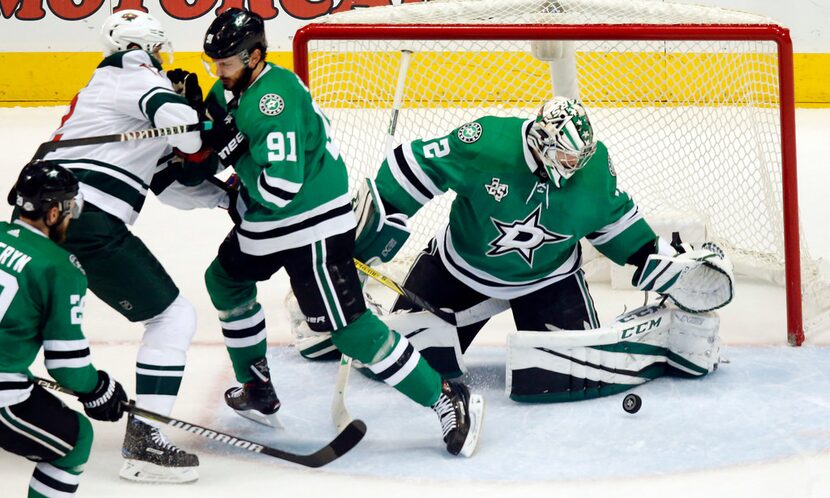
[{"x": 759, "y": 426}]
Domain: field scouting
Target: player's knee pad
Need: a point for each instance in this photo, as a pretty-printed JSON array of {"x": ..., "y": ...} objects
[
  {"x": 173, "y": 329},
  {"x": 639, "y": 346},
  {"x": 75, "y": 459},
  {"x": 226, "y": 293},
  {"x": 366, "y": 339}
]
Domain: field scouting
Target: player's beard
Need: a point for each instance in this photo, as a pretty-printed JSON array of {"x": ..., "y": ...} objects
[
  {"x": 57, "y": 232},
  {"x": 238, "y": 86}
]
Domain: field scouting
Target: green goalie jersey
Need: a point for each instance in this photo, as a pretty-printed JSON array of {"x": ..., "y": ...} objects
[
  {"x": 42, "y": 290},
  {"x": 509, "y": 233},
  {"x": 294, "y": 181}
]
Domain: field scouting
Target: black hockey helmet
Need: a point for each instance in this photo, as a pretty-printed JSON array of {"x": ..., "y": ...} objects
[
  {"x": 235, "y": 31},
  {"x": 43, "y": 184}
]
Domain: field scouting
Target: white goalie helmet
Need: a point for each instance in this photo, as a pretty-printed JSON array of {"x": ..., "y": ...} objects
[
  {"x": 127, "y": 27},
  {"x": 561, "y": 136}
]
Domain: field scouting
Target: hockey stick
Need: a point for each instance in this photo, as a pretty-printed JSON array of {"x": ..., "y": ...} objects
[
  {"x": 475, "y": 314},
  {"x": 339, "y": 414},
  {"x": 406, "y": 56},
  {"x": 47, "y": 147},
  {"x": 339, "y": 446}
]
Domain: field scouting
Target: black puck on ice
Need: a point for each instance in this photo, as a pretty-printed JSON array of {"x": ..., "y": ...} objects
[{"x": 632, "y": 403}]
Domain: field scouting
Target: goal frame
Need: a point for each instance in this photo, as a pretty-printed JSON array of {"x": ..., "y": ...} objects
[{"x": 629, "y": 32}]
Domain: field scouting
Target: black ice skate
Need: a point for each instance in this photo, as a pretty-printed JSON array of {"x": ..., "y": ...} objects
[
  {"x": 461, "y": 416},
  {"x": 150, "y": 457},
  {"x": 256, "y": 400}
]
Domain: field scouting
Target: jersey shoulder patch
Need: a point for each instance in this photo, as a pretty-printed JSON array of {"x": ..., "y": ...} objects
[
  {"x": 271, "y": 104},
  {"x": 470, "y": 132}
]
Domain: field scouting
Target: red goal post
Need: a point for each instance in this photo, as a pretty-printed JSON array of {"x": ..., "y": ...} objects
[{"x": 304, "y": 56}]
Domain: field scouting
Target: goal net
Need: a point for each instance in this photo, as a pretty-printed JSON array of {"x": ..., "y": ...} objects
[{"x": 694, "y": 103}]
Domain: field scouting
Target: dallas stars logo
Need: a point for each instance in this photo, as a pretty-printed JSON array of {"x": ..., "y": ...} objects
[
  {"x": 523, "y": 237},
  {"x": 271, "y": 104}
]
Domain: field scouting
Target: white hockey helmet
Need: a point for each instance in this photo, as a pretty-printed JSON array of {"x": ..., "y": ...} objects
[
  {"x": 561, "y": 136},
  {"x": 127, "y": 27}
]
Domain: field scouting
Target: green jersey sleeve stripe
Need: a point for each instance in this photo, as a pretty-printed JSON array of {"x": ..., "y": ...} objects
[
  {"x": 155, "y": 102},
  {"x": 608, "y": 232},
  {"x": 277, "y": 191},
  {"x": 113, "y": 187}
]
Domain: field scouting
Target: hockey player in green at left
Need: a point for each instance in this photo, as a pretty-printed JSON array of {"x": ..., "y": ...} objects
[
  {"x": 42, "y": 305},
  {"x": 296, "y": 214},
  {"x": 528, "y": 190}
]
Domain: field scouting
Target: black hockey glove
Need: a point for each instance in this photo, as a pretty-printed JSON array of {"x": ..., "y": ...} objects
[
  {"x": 186, "y": 84},
  {"x": 224, "y": 137},
  {"x": 106, "y": 401}
]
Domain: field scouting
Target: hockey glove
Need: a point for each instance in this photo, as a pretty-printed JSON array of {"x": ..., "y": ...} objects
[
  {"x": 696, "y": 280},
  {"x": 106, "y": 401},
  {"x": 224, "y": 137},
  {"x": 379, "y": 235},
  {"x": 186, "y": 84}
]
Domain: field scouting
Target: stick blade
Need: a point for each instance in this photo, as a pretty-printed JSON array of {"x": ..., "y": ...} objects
[{"x": 339, "y": 446}]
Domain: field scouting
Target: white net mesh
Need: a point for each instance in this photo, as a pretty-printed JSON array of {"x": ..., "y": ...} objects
[{"x": 692, "y": 126}]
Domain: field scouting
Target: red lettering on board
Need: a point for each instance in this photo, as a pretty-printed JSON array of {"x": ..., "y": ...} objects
[
  {"x": 68, "y": 11},
  {"x": 25, "y": 10}
]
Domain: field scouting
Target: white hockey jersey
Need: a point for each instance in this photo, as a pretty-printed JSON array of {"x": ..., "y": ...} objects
[{"x": 129, "y": 91}]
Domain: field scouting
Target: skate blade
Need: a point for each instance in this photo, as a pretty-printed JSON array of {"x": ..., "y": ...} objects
[
  {"x": 476, "y": 409},
  {"x": 138, "y": 471},
  {"x": 267, "y": 420}
]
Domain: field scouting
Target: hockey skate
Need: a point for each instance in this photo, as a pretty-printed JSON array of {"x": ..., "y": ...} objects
[
  {"x": 150, "y": 457},
  {"x": 461, "y": 416},
  {"x": 256, "y": 400}
]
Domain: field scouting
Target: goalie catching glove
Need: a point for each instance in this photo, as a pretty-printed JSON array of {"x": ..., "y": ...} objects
[
  {"x": 379, "y": 235},
  {"x": 696, "y": 280}
]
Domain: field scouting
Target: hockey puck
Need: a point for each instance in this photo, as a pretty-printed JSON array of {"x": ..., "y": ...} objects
[{"x": 632, "y": 403}]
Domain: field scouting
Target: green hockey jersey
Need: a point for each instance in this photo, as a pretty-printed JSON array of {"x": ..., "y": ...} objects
[
  {"x": 294, "y": 182},
  {"x": 510, "y": 234},
  {"x": 42, "y": 291}
]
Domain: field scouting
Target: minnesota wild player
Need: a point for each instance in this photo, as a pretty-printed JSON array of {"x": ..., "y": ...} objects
[
  {"x": 296, "y": 214},
  {"x": 528, "y": 190},
  {"x": 42, "y": 304}
]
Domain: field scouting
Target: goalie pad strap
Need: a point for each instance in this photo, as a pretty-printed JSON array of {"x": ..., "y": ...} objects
[{"x": 641, "y": 345}]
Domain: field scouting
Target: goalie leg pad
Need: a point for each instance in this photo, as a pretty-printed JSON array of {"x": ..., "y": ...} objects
[
  {"x": 549, "y": 367},
  {"x": 639, "y": 346},
  {"x": 315, "y": 346},
  {"x": 436, "y": 340},
  {"x": 694, "y": 343}
]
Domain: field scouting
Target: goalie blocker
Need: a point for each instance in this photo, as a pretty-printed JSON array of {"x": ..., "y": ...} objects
[
  {"x": 639, "y": 346},
  {"x": 379, "y": 235}
]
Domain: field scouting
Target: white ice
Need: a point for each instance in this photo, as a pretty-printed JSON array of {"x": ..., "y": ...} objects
[{"x": 759, "y": 426}]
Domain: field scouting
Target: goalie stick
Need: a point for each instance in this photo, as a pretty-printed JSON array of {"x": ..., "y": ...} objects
[
  {"x": 47, "y": 147},
  {"x": 475, "y": 314},
  {"x": 339, "y": 414},
  {"x": 339, "y": 446}
]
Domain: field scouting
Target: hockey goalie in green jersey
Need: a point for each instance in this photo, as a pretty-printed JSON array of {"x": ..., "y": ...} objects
[
  {"x": 527, "y": 192},
  {"x": 42, "y": 293}
]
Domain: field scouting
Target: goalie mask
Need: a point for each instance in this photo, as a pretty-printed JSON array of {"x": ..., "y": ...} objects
[
  {"x": 561, "y": 137},
  {"x": 125, "y": 28}
]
